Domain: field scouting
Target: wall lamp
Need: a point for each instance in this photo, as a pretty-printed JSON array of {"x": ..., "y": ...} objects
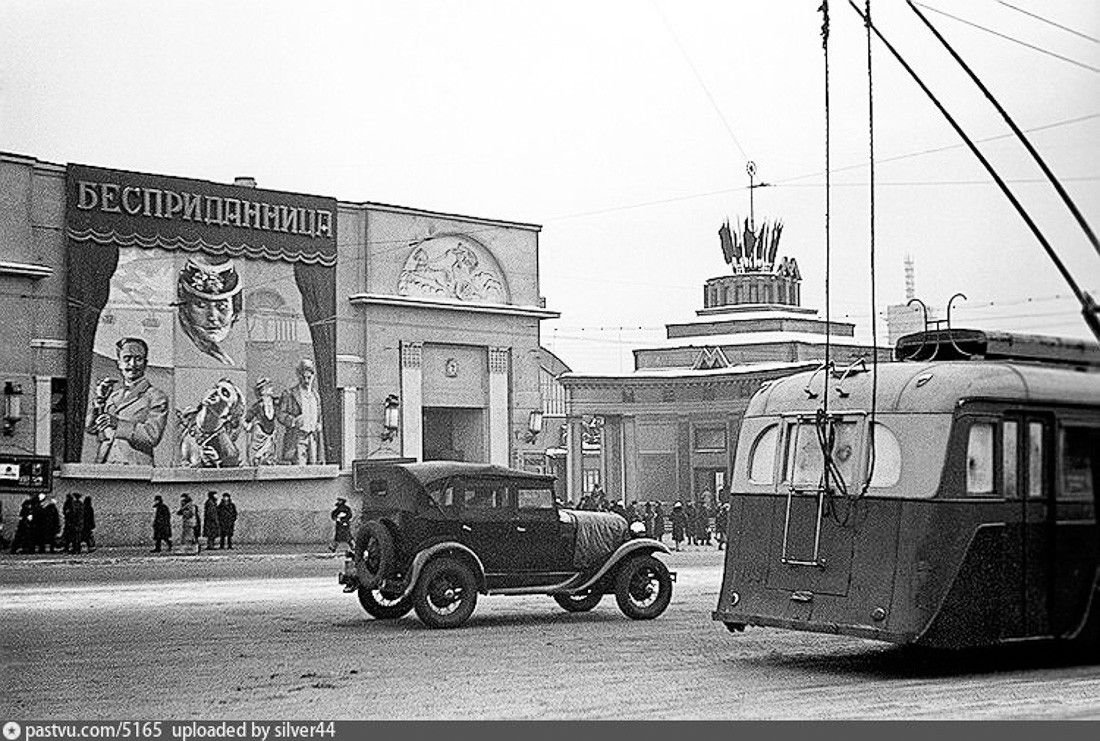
[
  {"x": 13, "y": 406},
  {"x": 391, "y": 417},
  {"x": 534, "y": 425}
]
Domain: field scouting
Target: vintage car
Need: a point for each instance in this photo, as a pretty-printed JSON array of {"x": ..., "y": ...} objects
[{"x": 434, "y": 535}]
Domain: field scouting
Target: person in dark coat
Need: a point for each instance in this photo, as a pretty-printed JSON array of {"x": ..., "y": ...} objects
[
  {"x": 679, "y": 524},
  {"x": 67, "y": 524},
  {"x": 87, "y": 534},
  {"x": 691, "y": 522},
  {"x": 658, "y": 521},
  {"x": 703, "y": 520},
  {"x": 649, "y": 520},
  {"x": 39, "y": 533},
  {"x": 211, "y": 529},
  {"x": 227, "y": 520},
  {"x": 162, "y": 524},
  {"x": 51, "y": 523},
  {"x": 23, "y": 540},
  {"x": 76, "y": 527},
  {"x": 341, "y": 515},
  {"x": 721, "y": 523}
]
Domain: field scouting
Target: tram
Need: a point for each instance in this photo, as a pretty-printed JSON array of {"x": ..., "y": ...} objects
[{"x": 947, "y": 500}]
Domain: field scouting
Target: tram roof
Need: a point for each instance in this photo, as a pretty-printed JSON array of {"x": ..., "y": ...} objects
[{"x": 935, "y": 387}]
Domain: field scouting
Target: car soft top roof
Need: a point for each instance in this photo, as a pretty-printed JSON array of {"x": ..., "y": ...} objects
[{"x": 432, "y": 471}]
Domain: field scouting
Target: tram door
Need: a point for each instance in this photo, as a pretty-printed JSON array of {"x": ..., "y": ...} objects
[{"x": 1027, "y": 448}]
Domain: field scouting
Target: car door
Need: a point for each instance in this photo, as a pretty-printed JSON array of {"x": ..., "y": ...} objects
[
  {"x": 542, "y": 546},
  {"x": 488, "y": 522}
]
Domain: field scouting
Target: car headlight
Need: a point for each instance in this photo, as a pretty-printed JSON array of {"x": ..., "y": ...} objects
[{"x": 637, "y": 528}]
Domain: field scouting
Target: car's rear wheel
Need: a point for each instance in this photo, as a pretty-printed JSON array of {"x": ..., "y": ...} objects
[
  {"x": 643, "y": 588},
  {"x": 445, "y": 594},
  {"x": 381, "y": 607},
  {"x": 582, "y": 602},
  {"x": 375, "y": 556}
]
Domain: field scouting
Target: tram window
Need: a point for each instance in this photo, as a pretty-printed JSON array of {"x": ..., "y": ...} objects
[
  {"x": 1079, "y": 446},
  {"x": 979, "y": 459},
  {"x": 803, "y": 465},
  {"x": 887, "y": 461},
  {"x": 762, "y": 458},
  {"x": 1008, "y": 459},
  {"x": 1035, "y": 460}
]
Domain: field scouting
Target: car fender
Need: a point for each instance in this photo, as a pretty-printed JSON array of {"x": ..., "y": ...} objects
[
  {"x": 629, "y": 548},
  {"x": 421, "y": 559}
]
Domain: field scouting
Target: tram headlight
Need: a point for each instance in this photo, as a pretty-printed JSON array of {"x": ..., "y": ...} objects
[
  {"x": 735, "y": 598},
  {"x": 878, "y": 614}
]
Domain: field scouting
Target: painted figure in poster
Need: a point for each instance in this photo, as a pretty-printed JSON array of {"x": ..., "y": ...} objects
[
  {"x": 300, "y": 413},
  {"x": 209, "y": 303},
  {"x": 209, "y": 431},
  {"x": 129, "y": 421},
  {"x": 259, "y": 422}
]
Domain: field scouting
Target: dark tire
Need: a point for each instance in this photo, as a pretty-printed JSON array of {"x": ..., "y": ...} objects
[
  {"x": 578, "y": 602},
  {"x": 445, "y": 594},
  {"x": 643, "y": 588},
  {"x": 380, "y": 607},
  {"x": 374, "y": 553}
]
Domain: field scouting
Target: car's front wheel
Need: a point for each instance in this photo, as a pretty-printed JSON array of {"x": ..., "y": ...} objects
[
  {"x": 445, "y": 594},
  {"x": 381, "y": 607},
  {"x": 643, "y": 588},
  {"x": 582, "y": 602}
]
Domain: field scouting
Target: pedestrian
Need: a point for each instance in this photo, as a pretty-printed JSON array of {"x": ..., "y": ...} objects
[
  {"x": 87, "y": 533},
  {"x": 721, "y": 523},
  {"x": 67, "y": 525},
  {"x": 703, "y": 515},
  {"x": 23, "y": 540},
  {"x": 38, "y": 521},
  {"x": 211, "y": 528},
  {"x": 227, "y": 520},
  {"x": 679, "y": 523},
  {"x": 658, "y": 521},
  {"x": 341, "y": 515},
  {"x": 189, "y": 524},
  {"x": 51, "y": 523},
  {"x": 649, "y": 522},
  {"x": 76, "y": 532},
  {"x": 162, "y": 524},
  {"x": 691, "y": 522}
]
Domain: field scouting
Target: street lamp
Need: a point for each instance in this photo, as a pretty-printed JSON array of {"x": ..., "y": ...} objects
[
  {"x": 534, "y": 425},
  {"x": 13, "y": 406},
  {"x": 390, "y": 417}
]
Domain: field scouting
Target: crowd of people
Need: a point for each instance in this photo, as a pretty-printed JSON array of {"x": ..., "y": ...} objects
[
  {"x": 216, "y": 523},
  {"x": 43, "y": 527},
  {"x": 702, "y": 521}
]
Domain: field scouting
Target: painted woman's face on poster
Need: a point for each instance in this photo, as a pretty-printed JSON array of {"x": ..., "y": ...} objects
[{"x": 209, "y": 300}]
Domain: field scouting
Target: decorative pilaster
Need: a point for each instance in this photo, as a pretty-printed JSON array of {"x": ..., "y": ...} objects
[
  {"x": 412, "y": 400},
  {"x": 348, "y": 424},
  {"x": 499, "y": 421},
  {"x": 43, "y": 401}
]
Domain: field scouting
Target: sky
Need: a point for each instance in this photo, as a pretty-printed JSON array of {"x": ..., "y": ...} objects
[{"x": 622, "y": 128}]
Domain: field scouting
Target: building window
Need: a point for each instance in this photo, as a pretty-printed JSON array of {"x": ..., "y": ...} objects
[{"x": 710, "y": 439}]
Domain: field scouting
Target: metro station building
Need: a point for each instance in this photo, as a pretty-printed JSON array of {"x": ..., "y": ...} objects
[
  {"x": 668, "y": 430},
  {"x": 285, "y": 335}
]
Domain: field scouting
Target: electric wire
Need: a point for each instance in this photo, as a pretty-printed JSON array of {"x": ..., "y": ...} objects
[
  {"x": 1039, "y": 49},
  {"x": 874, "y": 305},
  {"x": 1050, "y": 22}
]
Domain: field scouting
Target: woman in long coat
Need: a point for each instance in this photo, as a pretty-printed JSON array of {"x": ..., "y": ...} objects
[
  {"x": 679, "y": 523},
  {"x": 227, "y": 520},
  {"x": 658, "y": 521},
  {"x": 189, "y": 515},
  {"x": 211, "y": 527}
]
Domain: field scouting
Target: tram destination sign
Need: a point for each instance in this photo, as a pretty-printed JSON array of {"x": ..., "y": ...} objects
[{"x": 26, "y": 473}]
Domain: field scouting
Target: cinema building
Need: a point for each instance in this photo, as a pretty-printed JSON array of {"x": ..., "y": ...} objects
[
  {"x": 165, "y": 335},
  {"x": 667, "y": 431}
]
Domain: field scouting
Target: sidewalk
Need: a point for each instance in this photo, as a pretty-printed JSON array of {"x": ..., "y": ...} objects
[{"x": 120, "y": 554}]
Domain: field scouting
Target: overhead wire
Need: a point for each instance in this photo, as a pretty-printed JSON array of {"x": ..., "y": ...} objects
[
  {"x": 1014, "y": 40},
  {"x": 1050, "y": 22}
]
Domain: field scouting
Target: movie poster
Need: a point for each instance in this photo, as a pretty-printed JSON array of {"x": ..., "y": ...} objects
[{"x": 201, "y": 323}]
